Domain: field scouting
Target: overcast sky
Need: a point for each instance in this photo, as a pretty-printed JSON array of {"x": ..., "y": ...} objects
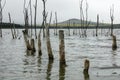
[{"x": 65, "y": 9}]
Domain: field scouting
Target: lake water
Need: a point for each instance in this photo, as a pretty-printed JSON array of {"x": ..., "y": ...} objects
[{"x": 16, "y": 64}]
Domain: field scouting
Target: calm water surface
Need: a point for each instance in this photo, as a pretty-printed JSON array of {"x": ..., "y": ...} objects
[{"x": 16, "y": 64}]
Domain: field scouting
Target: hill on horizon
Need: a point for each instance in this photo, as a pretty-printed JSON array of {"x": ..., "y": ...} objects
[{"x": 78, "y": 22}]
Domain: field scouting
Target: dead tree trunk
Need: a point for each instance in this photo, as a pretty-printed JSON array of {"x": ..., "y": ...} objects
[
  {"x": 112, "y": 18},
  {"x": 56, "y": 22},
  {"x": 97, "y": 25},
  {"x": 1, "y": 15},
  {"x": 10, "y": 25},
  {"x": 81, "y": 18},
  {"x": 49, "y": 49},
  {"x": 15, "y": 36},
  {"x": 25, "y": 12},
  {"x": 31, "y": 17},
  {"x": 50, "y": 54},
  {"x": 87, "y": 23},
  {"x": 35, "y": 18},
  {"x": 49, "y": 24},
  {"x": 44, "y": 17},
  {"x": 39, "y": 45},
  {"x": 62, "y": 47}
]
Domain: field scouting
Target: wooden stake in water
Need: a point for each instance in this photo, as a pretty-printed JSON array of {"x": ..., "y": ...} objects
[
  {"x": 62, "y": 47},
  {"x": 114, "y": 44},
  {"x": 86, "y": 66}
]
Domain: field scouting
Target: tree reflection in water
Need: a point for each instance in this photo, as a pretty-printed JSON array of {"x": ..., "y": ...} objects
[
  {"x": 62, "y": 71},
  {"x": 49, "y": 68}
]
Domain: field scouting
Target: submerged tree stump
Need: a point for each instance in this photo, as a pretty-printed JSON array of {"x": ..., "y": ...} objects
[
  {"x": 114, "y": 44},
  {"x": 62, "y": 47},
  {"x": 29, "y": 46}
]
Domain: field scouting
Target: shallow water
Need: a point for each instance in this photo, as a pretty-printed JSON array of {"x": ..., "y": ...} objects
[{"x": 16, "y": 64}]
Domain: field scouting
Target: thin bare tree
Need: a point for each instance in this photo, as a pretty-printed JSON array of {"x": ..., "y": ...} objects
[
  {"x": 44, "y": 16},
  {"x": 97, "y": 25},
  {"x": 26, "y": 17},
  {"x": 30, "y": 4},
  {"x": 56, "y": 21},
  {"x": 10, "y": 25},
  {"x": 1, "y": 15},
  {"x": 112, "y": 18},
  {"x": 35, "y": 6}
]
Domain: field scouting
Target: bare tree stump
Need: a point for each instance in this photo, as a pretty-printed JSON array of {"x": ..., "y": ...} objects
[
  {"x": 28, "y": 46},
  {"x": 86, "y": 66},
  {"x": 25, "y": 37},
  {"x": 62, "y": 47},
  {"x": 114, "y": 44},
  {"x": 33, "y": 45}
]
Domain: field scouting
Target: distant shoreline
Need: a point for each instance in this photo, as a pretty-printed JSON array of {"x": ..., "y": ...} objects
[{"x": 71, "y": 27}]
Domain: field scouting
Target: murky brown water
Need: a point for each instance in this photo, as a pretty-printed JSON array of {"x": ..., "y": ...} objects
[{"x": 15, "y": 64}]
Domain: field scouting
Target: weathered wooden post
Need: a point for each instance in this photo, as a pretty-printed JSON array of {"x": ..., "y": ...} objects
[
  {"x": 62, "y": 47},
  {"x": 86, "y": 69},
  {"x": 86, "y": 66},
  {"x": 114, "y": 44}
]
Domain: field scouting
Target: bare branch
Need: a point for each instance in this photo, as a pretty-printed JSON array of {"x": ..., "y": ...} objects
[{"x": 4, "y": 4}]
